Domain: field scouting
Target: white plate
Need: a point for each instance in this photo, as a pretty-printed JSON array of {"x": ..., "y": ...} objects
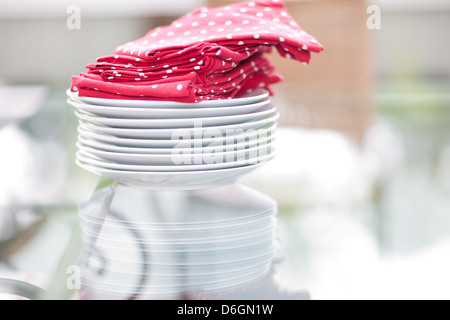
[
  {"x": 188, "y": 133},
  {"x": 178, "y": 156},
  {"x": 88, "y": 158},
  {"x": 114, "y": 142},
  {"x": 219, "y": 146},
  {"x": 161, "y": 113},
  {"x": 253, "y": 97},
  {"x": 177, "y": 123},
  {"x": 187, "y": 180}
]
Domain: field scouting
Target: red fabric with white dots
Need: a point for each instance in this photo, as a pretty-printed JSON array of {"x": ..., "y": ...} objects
[{"x": 206, "y": 54}]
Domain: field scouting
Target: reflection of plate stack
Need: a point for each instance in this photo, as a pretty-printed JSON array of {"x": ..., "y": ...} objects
[
  {"x": 168, "y": 227},
  {"x": 174, "y": 243}
]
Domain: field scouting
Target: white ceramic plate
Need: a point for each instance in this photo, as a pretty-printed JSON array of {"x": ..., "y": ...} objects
[
  {"x": 178, "y": 157},
  {"x": 187, "y": 180},
  {"x": 161, "y": 113},
  {"x": 177, "y": 122},
  {"x": 232, "y": 145},
  {"x": 113, "y": 141},
  {"x": 253, "y": 97},
  {"x": 88, "y": 158},
  {"x": 188, "y": 133}
]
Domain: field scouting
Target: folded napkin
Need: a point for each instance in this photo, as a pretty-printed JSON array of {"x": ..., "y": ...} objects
[{"x": 207, "y": 54}]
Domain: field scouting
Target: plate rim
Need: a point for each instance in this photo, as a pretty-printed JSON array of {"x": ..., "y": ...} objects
[
  {"x": 168, "y": 123},
  {"x": 177, "y": 168},
  {"x": 151, "y": 133},
  {"x": 167, "y": 104}
]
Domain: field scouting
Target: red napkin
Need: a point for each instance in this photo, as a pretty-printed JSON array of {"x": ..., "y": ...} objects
[
  {"x": 239, "y": 25},
  {"x": 207, "y": 54}
]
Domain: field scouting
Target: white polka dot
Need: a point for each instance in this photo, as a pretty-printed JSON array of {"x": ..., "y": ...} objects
[
  {"x": 262, "y": 22},
  {"x": 283, "y": 13},
  {"x": 314, "y": 41},
  {"x": 219, "y": 52},
  {"x": 75, "y": 88},
  {"x": 179, "y": 87},
  {"x": 196, "y": 68},
  {"x": 245, "y": 22},
  {"x": 276, "y": 20},
  {"x": 292, "y": 23},
  {"x": 204, "y": 31},
  {"x": 260, "y": 14},
  {"x": 241, "y": 43},
  {"x": 235, "y": 14},
  {"x": 243, "y": 10},
  {"x": 137, "y": 79},
  {"x": 229, "y": 37},
  {"x": 256, "y": 36},
  {"x": 178, "y": 25},
  {"x": 211, "y": 23},
  {"x": 305, "y": 47},
  {"x": 162, "y": 41},
  {"x": 166, "y": 66},
  {"x": 288, "y": 55},
  {"x": 203, "y": 15},
  {"x": 255, "y": 28},
  {"x": 187, "y": 33},
  {"x": 154, "y": 34},
  {"x": 169, "y": 71},
  {"x": 154, "y": 86},
  {"x": 141, "y": 74},
  {"x": 220, "y": 30},
  {"x": 251, "y": 4},
  {"x": 267, "y": 9},
  {"x": 193, "y": 59},
  {"x": 219, "y": 14},
  {"x": 282, "y": 39},
  {"x": 195, "y": 23},
  {"x": 228, "y": 23}
]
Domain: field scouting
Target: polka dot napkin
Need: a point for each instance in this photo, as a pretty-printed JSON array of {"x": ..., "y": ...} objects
[{"x": 207, "y": 54}]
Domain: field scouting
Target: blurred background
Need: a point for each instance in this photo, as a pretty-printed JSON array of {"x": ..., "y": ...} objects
[{"x": 362, "y": 176}]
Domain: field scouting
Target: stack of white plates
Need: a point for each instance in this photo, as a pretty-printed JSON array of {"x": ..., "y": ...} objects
[
  {"x": 146, "y": 244},
  {"x": 175, "y": 146}
]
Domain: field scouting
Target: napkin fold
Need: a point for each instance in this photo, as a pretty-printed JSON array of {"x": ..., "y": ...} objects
[{"x": 207, "y": 54}]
